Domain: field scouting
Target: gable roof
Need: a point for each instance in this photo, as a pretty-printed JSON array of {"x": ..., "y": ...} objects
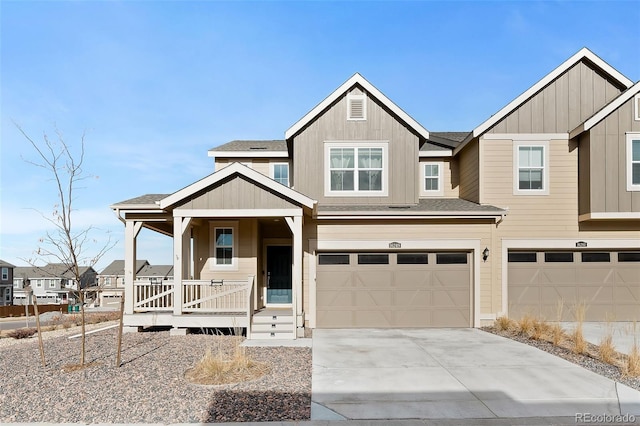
[
  {"x": 371, "y": 89},
  {"x": 6, "y": 264},
  {"x": 236, "y": 168},
  {"x": 606, "y": 110},
  {"x": 581, "y": 55},
  {"x": 156, "y": 271},
  {"x": 117, "y": 267}
]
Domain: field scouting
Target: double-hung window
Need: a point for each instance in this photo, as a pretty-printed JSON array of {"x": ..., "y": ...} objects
[
  {"x": 358, "y": 169},
  {"x": 431, "y": 177},
  {"x": 224, "y": 236},
  {"x": 531, "y": 168},
  {"x": 280, "y": 173},
  {"x": 633, "y": 161},
  {"x": 5, "y": 274}
]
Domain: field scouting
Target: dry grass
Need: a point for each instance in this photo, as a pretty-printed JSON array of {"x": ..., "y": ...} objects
[
  {"x": 22, "y": 333},
  {"x": 631, "y": 367},
  {"x": 524, "y": 325},
  {"x": 579, "y": 344},
  {"x": 69, "y": 368},
  {"x": 503, "y": 323},
  {"x": 607, "y": 350},
  {"x": 218, "y": 369}
]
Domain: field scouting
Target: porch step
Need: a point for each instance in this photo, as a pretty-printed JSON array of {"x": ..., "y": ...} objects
[{"x": 273, "y": 324}]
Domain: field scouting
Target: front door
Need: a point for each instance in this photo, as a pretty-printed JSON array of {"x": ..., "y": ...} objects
[{"x": 279, "y": 259}]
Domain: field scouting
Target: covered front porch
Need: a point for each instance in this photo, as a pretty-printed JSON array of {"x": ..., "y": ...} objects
[{"x": 237, "y": 256}]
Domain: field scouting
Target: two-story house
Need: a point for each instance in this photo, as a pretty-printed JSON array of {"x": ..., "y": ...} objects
[
  {"x": 110, "y": 282},
  {"x": 52, "y": 283},
  {"x": 6, "y": 283},
  {"x": 361, "y": 217}
]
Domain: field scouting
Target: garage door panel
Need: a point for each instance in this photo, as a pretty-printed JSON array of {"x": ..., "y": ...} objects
[
  {"x": 610, "y": 290},
  {"x": 392, "y": 295}
]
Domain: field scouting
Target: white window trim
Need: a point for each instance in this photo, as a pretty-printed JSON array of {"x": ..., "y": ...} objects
[
  {"x": 384, "y": 192},
  {"x": 351, "y": 97},
  {"x": 630, "y": 137},
  {"x": 5, "y": 274},
  {"x": 52, "y": 283},
  {"x": 545, "y": 169},
  {"x": 272, "y": 172},
  {"x": 429, "y": 193},
  {"x": 213, "y": 266},
  {"x": 636, "y": 107}
]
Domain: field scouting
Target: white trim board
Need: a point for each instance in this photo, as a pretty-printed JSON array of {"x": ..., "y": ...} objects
[
  {"x": 526, "y": 136},
  {"x": 215, "y": 213},
  {"x": 553, "y": 244},
  {"x": 248, "y": 154},
  {"x": 370, "y": 89},
  {"x": 609, "y": 216}
]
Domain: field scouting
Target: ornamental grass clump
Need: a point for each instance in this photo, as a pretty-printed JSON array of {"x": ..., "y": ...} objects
[
  {"x": 22, "y": 333},
  {"x": 579, "y": 344},
  {"x": 221, "y": 369}
]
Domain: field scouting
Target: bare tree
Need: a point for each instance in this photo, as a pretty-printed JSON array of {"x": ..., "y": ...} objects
[{"x": 66, "y": 243}]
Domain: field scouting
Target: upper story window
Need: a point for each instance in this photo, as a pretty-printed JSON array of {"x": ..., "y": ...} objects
[
  {"x": 225, "y": 246},
  {"x": 356, "y": 105},
  {"x": 356, "y": 169},
  {"x": 280, "y": 173},
  {"x": 5, "y": 274},
  {"x": 431, "y": 176},
  {"x": 17, "y": 283},
  {"x": 531, "y": 168},
  {"x": 633, "y": 161}
]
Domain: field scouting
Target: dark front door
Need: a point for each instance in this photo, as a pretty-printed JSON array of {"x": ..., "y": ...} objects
[{"x": 279, "y": 274}]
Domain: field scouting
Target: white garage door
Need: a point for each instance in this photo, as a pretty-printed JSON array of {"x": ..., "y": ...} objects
[{"x": 357, "y": 290}]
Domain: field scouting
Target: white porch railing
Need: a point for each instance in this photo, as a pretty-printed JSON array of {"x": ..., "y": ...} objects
[
  {"x": 216, "y": 296},
  {"x": 150, "y": 296}
]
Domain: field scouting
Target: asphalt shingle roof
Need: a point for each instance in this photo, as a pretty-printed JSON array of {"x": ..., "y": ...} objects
[
  {"x": 247, "y": 145},
  {"x": 156, "y": 271},
  {"x": 147, "y": 199},
  {"x": 439, "y": 205},
  {"x": 117, "y": 267}
]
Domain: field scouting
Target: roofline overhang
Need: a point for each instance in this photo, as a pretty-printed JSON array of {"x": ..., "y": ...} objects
[
  {"x": 248, "y": 154},
  {"x": 411, "y": 215},
  {"x": 355, "y": 79},
  {"x": 429, "y": 154},
  {"x": 583, "y": 53}
]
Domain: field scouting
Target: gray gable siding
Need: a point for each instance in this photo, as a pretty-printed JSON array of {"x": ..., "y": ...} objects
[
  {"x": 563, "y": 104},
  {"x": 237, "y": 193},
  {"x": 607, "y": 162},
  {"x": 380, "y": 125}
]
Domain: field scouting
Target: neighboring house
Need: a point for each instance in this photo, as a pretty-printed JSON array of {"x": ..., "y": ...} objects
[
  {"x": 110, "y": 282},
  {"x": 155, "y": 273},
  {"x": 6, "y": 283},
  {"x": 361, "y": 217},
  {"x": 51, "y": 284}
]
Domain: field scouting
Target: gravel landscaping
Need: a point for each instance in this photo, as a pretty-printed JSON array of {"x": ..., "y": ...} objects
[
  {"x": 607, "y": 370},
  {"x": 150, "y": 385}
]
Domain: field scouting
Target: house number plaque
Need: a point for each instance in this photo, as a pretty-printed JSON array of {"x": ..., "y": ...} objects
[{"x": 395, "y": 245}]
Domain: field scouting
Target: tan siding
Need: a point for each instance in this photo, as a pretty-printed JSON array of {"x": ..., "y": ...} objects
[
  {"x": 332, "y": 125},
  {"x": 533, "y": 217},
  {"x": 469, "y": 160},
  {"x": 562, "y": 105},
  {"x": 449, "y": 176},
  {"x": 237, "y": 193},
  {"x": 608, "y": 166}
]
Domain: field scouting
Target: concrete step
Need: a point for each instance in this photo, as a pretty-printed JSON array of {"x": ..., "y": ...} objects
[
  {"x": 273, "y": 320},
  {"x": 272, "y": 327},
  {"x": 281, "y": 335}
]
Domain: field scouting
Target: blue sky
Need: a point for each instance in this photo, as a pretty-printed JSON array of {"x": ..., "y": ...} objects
[{"x": 154, "y": 85}]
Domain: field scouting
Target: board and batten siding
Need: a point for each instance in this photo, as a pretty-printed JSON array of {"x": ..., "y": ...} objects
[
  {"x": 396, "y": 230},
  {"x": 380, "y": 125},
  {"x": 469, "y": 160},
  {"x": 607, "y": 160},
  {"x": 563, "y": 104},
  {"x": 237, "y": 193}
]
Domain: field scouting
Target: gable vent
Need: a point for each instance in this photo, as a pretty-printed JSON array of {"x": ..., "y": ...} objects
[{"x": 356, "y": 106}]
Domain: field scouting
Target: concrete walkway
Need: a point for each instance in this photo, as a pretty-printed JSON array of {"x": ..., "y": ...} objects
[{"x": 452, "y": 374}]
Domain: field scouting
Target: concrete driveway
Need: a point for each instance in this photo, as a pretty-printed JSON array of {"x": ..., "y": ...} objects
[{"x": 451, "y": 374}]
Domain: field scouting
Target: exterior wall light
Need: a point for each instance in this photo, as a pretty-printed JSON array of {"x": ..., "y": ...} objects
[{"x": 485, "y": 254}]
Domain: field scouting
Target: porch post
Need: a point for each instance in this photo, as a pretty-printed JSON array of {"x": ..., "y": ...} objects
[
  {"x": 180, "y": 259},
  {"x": 297, "y": 272},
  {"x": 131, "y": 230}
]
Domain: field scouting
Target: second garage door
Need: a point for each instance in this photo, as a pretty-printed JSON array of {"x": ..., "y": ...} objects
[{"x": 382, "y": 290}]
